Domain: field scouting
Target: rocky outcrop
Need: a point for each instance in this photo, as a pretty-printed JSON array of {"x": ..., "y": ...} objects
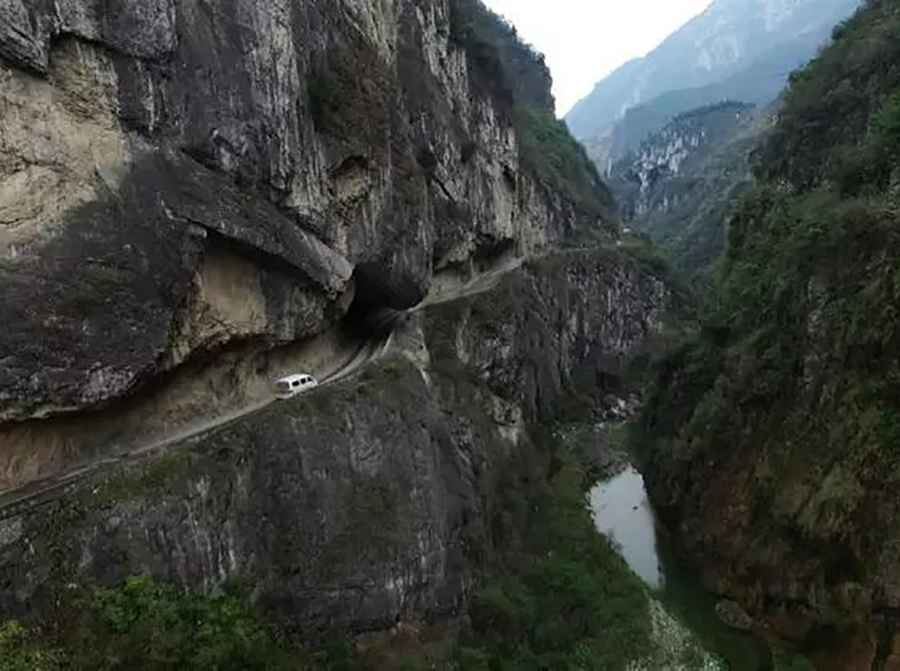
[
  {"x": 155, "y": 158},
  {"x": 731, "y": 613},
  {"x": 669, "y": 154},
  {"x": 141, "y": 30},
  {"x": 372, "y": 498},
  {"x": 534, "y": 338},
  {"x": 679, "y": 188}
]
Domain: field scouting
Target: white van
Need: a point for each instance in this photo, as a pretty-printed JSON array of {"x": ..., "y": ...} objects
[{"x": 294, "y": 384}]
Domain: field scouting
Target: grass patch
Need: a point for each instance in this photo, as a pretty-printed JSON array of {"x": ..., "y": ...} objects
[{"x": 19, "y": 651}]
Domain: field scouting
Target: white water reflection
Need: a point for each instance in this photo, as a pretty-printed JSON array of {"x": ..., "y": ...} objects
[{"x": 622, "y": 513}]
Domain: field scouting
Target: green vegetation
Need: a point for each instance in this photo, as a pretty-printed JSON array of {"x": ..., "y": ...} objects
[
  {"x": 145, "y": 626},
  {"x": 784, "y": 661},
  {"x": 566, "y": 601},
  {"x": 550, "y": 152},
  {"x": 20, "y": 652},
  {"x": 788, "y": 400},
  {"x": 641, "y": 249}
]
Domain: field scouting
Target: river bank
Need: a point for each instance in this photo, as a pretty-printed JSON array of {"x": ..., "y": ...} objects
[{"x": 622, "y": 513}]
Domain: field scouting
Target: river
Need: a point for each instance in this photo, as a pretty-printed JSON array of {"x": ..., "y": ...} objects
[{"x": 622, "y": 512}]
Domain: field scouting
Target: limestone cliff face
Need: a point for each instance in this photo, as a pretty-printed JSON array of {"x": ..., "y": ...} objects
[
  {"x": 195, "y": 196},
  {"x": 680, "y": 186},
  {"x": 670, "y": 154},
  {"x": 155, "y": 158},
  {"x": 373, "y": 498},
  {"x": 566, "y": 322}
]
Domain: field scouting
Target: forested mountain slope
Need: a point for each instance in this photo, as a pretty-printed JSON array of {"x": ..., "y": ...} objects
[{"x": 772, "y": 445}]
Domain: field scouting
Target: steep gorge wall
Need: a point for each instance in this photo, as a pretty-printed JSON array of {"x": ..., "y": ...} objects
[
  {"x": 328, "y": 149},
  {"x": 374, "y": 498},
  {"x": 196, "y": 196},
  {"x": 772, "y": 441},
  {"x": 672, "y": 153}
]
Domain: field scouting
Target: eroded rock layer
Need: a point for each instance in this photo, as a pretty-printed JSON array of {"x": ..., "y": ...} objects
[
  {"x": 307, "y": 142},
  {"x": 372, "y": 498}
]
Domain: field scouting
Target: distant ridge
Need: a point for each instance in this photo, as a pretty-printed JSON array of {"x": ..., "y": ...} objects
[{"x": 736, "y": 49}]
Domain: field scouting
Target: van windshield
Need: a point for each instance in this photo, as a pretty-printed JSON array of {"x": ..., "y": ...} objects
[{"x": 283, "y": 386}]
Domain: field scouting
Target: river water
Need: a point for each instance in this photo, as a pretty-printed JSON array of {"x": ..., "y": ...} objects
[{"x": 622, "y": 512}]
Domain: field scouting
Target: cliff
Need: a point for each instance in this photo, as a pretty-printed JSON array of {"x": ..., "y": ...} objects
[
  {"x": 312, "y": 152},
  {"x": 678, "y": 188},
  {"x": 375, "y": 499},
  {"x": 187, "y": 193},
  {"x": 197, "y": 198},
  {"x": 771, "y": 442}
]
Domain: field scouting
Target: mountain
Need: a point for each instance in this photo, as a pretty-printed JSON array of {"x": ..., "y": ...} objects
[
  {"x": 198, "y": 198},
  {"x": 736, "y": 49},
  {"x": 679, "y": 186},
  {"x": 771, "y": 445}
]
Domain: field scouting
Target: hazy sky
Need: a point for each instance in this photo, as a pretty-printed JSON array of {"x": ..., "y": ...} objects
[{"x": 584, "y": 40}]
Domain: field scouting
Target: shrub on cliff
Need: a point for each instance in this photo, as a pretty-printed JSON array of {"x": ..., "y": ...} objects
[
  {"x": 145, "y": 625},
  {"x": 553, "y": 156},
  {"x": 784, "y": 661},
  {"x": 500, "y": 63},
  {"x": 20, "y": 652}
]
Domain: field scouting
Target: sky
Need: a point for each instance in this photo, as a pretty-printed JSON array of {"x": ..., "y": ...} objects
[{"x": 585, "y": 40}]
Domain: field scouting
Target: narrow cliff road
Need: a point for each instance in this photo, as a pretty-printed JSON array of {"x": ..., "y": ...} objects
[{"x": 445, "y": 289}]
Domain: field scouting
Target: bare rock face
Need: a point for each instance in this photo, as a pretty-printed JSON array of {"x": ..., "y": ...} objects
[
  {"x": 158, "y": 161},
  {"x": 189, "y": 190},
  {"x": 139, "y": 29},
  {"x": 104, "y": 239},
  {"x": 558, "y": 323},
  {"x": 731, "y": 613},
  {"x": 371, "y": 499}
]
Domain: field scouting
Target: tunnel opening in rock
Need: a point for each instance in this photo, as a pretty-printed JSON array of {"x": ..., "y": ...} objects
[
  {"x": 387, "y": 285},
  {"x": 492, "y": 252},
  {"x": 371, "y": 314}
]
